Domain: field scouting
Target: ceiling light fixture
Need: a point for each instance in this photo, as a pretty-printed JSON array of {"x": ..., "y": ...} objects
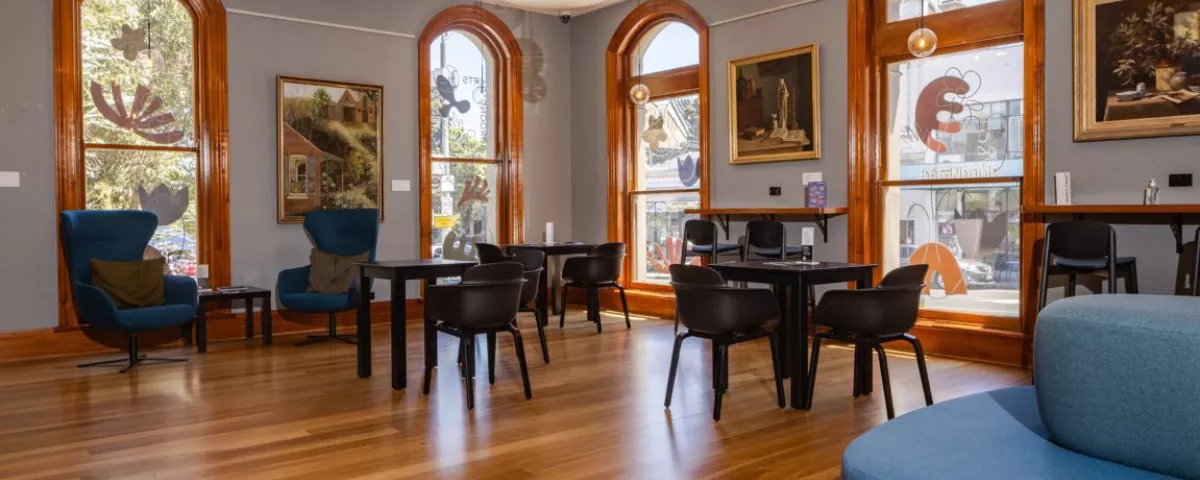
[
  {"x": 922, "y": 42},
  {"x": 640, "y": 93}
]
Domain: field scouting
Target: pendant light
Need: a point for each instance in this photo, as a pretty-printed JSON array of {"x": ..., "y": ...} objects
[
  {"x": 640, "y": 93},
  {"x": 922, "y": 42},
  {"x": 150, "y": 60}
]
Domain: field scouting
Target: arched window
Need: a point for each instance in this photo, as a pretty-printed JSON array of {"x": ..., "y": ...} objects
[
  {"x": 142, "y": 123},
  {"x": 470, "y": 127},
  {"x": 658, "y": 158}
]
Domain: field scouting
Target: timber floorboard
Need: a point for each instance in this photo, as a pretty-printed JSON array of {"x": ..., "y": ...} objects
[{"x": 248, "y": 411}]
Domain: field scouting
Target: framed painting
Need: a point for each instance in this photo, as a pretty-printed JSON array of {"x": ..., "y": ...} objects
[
  {"x": 330, "y": 147},
  {"x": 1137, "y": 69},
  {"x": 775, "y": 107}
]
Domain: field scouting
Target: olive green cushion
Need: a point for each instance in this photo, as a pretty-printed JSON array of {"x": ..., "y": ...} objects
[
  {"x": 133, "y": 284},
  {"x": 332, "y": 273}
]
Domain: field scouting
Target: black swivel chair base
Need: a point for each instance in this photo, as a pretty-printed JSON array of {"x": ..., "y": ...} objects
[
  {"x": 593, "y": 304},
  {"x": 466, "y": 358},
  {"x": 875, "y": 343},
  {"x": 331, "y": 337},
  {"x": 720, "y": 372},
  {"x": 133, "y": 360}
]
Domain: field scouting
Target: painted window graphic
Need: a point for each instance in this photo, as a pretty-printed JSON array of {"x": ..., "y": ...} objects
[
  {"x": 139, "y": 114},
  {"x": 957, "y": 116}
]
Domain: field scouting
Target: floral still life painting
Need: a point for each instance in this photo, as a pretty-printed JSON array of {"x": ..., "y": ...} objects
[{"x": 1137, "y": 69}]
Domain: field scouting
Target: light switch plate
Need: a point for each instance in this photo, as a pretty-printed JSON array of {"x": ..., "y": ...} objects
[
  {"x": 401, "y": 185},
  {"x": 808, "y": 178},
  {"x": 10, "y": 179}
]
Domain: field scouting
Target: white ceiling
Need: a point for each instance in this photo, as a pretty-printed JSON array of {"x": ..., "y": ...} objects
[{"x": 556, "y": 7}]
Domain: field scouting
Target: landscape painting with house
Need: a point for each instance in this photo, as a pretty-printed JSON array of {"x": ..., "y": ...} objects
[{"x": 330, "y": 147}]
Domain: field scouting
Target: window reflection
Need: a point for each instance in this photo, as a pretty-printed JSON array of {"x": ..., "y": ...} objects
[{"x": 970, "y": 238}]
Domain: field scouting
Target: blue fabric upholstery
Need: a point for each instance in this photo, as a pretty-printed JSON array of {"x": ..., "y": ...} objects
[
  {"x": 318, "y": 302},
  {"x": 344, "y": 232},
  {"x": 119, "y": 236},
  {"x": 1090, "y": 263},
  {"x": 994, "y": 435},
  {"x": 721, "y": 248},
  {"x": 340, "y": 232},
  {"x": 774, "y": 252},
  {"x": 1118, "y": 378}
]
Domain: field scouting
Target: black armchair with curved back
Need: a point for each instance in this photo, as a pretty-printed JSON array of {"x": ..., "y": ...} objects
[
  {"x": 599, "y": 270},
  {"x": 489, "y": 253},
  {"x": 726, "y": 316},
  {"x": 532, "y": 261},
  {"x": 701, "y": 240},
  {"x": 1196, "y": 267},
  {"x": 484, "y": 302},
  {"x": 872, "y": 317},
  {"x": 1084, "y": 247}
]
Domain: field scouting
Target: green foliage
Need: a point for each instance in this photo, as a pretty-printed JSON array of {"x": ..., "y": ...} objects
[
  {"x": 1144, "y": 41},
  {"x": 321, "y": 101},
  {"x": 113, "y": 176}
]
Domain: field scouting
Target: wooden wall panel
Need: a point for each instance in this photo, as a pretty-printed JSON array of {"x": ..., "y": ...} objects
[{"x": 47, "y": 342}]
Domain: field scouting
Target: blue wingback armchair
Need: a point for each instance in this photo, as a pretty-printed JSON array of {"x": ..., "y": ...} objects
[
  {"x": 339, "y": 232},
  {"x": 120, "y": 236}
]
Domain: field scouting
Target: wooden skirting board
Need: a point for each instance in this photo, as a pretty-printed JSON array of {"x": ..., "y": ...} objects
[
  {"x": 938, "y": 337},
  {"x": 51, "y": 342}
]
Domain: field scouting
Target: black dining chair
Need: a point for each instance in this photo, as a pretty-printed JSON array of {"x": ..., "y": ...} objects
[
  {"x": 868, "y": 318},
  {"x": 1084, "y": 247},
  {"x": 725, "y": 316},
  {"x": 1196, "y": 267},
  {"x": 767, "y": 239},
  {"x": 599, "y": 270},
  {"x": 532, "y": 260},
  {"x": 489, "y": 253},
  {"x": 485, "y": 302},
  {"x": 701, "y": 240}
]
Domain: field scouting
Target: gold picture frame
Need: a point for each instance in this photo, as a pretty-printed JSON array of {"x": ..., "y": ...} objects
[
  {"x": 775, "y": 106},
  {"x": 1109, "y": 105},
  {"x": 326, "y": 132}
]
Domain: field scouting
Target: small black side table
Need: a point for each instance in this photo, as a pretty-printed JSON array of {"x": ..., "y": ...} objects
[{"x": 249, "y": 294}]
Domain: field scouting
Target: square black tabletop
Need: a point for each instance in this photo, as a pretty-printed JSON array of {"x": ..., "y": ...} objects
[
  {"x": 789, "y": 265},
  {"x": 243, "y": 291},
  {"x": 564, "y": 248},
  {"x": 415, "y": 263}
]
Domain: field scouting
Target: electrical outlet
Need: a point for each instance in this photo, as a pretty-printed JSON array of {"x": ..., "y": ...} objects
[
  {"x": 775, "y": 191},
  {"x": 1179, "y": 180}
]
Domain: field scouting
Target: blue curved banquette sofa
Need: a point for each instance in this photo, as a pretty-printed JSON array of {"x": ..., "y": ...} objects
[{"x": 1117, "y": 396}]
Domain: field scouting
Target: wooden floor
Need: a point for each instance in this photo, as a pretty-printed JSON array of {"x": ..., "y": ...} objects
[{"x": 248, "y": 411}]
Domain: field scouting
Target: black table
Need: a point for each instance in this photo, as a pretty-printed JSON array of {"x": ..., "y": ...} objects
[
  {"x": 398, "y": 272},
  {"x": 551, "y": 250},
  {"x": 248, "y": 294},
  {"x": 791, "y": 289}
]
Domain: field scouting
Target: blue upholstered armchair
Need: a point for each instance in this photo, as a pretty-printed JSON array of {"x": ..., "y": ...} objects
[
  {"x": 120, "y": 236},
  {"x": 339, "y": 232}
]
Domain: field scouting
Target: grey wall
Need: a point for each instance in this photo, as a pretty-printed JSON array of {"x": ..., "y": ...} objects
[
  {"x": 1113, "y": 172},
  {"x": 822, "y": 22},
  {"x": 555, "y": 150},
  {"x": 1107, "y": 172},
  {"x": 260, "y": 49},
  {"x": 28, "y": 255}
]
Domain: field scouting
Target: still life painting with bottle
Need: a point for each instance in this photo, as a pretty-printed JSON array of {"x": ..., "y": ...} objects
[
  {"x": 774, "y": 104},
  {"x": 1137, "y": 68}
]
